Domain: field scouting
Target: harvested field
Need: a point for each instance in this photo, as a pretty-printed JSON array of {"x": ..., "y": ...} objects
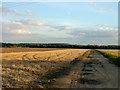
[
  {"x": 9, "y": 50},
  {"x": 33, "y": 69}
]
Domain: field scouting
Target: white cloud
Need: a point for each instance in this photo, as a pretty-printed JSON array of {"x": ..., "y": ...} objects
[
  {"x": 68, "y": 27},
  {"x": 103, "y": 25},
  {"x": 28, "y": 12},
  {"x": 101, "y": 8},
  {"x": 12, "y": 27},
  {"x": 23, "y": 26},
  {"x": 104, "y": 9},
  {"x": 107, "y": 27},
  {"x": 34, "y": 22},
  {"x": 101, "y": 28},
  {"x": 92, "y": 3},
  {"x": 20, "y": 31},
  {"x": 5, "y": 11}
]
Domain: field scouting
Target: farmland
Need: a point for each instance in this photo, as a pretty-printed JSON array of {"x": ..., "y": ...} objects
[
  {"x": 58, "y": 68},
  {"x": 112, "y": 55},
  {"x": 9, "y": 50},
  {"x": 34, "y": 69},
  {"x": 114, "y": 52}
]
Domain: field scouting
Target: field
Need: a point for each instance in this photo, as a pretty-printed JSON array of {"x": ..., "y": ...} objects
[
  {"x": 39, "y": 68},
  {"x": 9, "y": 50},
  {"x": 110, "y": 51},
  {"x": 112, "y": 55}
]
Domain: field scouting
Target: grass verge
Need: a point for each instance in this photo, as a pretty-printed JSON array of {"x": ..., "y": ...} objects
[{"x": 113, "y": 59}]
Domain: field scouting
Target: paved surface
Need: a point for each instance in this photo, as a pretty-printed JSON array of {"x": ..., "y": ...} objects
[{"x": 92, "y": 72}]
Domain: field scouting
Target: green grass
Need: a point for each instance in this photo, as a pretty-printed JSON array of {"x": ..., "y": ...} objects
[{"x": 113, "y": 59}]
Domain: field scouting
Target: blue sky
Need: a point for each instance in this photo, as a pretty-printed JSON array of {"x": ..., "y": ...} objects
[{"x": 63, "y": 22}]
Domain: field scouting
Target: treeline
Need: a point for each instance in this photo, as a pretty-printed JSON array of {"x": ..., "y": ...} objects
[{"x": 58, "y": 45}]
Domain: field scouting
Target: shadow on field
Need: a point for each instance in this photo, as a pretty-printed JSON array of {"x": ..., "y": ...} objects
[{"x": 36, "y": 74}]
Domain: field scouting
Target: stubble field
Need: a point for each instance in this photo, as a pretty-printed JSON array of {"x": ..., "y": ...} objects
[
  {"x": 9, "y": 50},
  {"x": 36, "y": 68}
]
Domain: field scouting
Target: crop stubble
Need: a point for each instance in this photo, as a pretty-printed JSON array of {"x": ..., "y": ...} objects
[{"x": 28, "y": 69}]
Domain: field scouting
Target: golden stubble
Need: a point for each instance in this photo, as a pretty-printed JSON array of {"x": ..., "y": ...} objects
[{"x": 26, "y": 69}]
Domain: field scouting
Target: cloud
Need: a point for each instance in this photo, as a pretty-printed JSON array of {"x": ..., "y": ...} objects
[
  {"x": 34, "y": 22},
  {"x": 107, "y": 27},
  {"x": 22, "y": 29},
  {"x": 24, "y": 38},
  {"x": 104, "y": 9},
  {"x": 103, "y": 25},
  {"x": 92, "y": 33},
  {"x": 17, "y": 31},
  {"x": 5, "y": 11},
  {"x": 101, "y": 8},
  {"x": 90, "y": 36},
  {"x": 28, "y": 12},
  {"x": 92, "y": 3},
  {"x": 24, "y": 26},
  {"x": 12, "y": 27}
]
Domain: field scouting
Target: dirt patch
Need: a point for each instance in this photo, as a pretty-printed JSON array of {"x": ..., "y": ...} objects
[
  {"x": 88, "y": 70},
  {"x": 86, "y": 73},
  {"x": 89, "y": 81},
  {"x": 92, "y": 72}
]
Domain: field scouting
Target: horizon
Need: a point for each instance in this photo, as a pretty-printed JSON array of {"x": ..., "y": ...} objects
[
  {"x": 82, "y": 23},
  {"x": 60, "y": 43}
]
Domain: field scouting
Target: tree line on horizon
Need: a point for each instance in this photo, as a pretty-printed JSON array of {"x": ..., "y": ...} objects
[{"x": 58, "y": 45}]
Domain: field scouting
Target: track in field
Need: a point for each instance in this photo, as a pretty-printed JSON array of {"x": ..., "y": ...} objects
[{"x": 92, "y": 72}]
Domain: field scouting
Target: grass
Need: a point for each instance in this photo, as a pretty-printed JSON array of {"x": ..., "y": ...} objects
[{"x": 112, "y": 57}]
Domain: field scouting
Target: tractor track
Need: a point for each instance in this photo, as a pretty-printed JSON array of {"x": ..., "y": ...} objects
[{"x": 95, "y": 71}]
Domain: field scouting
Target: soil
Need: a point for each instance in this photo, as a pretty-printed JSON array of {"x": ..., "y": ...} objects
[{"x": 95, "y": 71}]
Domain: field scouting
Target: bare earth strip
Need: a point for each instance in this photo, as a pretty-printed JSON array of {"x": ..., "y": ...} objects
[{"x": 92, "y": 72}]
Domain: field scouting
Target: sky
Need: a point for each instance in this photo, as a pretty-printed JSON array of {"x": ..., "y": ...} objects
[{"x": 82, "y": 23}]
